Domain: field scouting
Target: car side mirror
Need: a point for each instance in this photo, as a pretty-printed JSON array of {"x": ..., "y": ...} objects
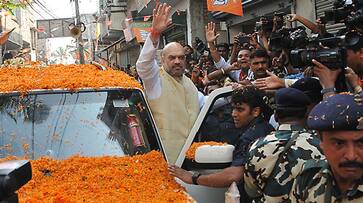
[{"x": 214, "y": 154}]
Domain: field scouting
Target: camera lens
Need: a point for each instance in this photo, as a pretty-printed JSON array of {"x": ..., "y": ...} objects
[
  {"x": 351, "y": 38},
  {"x": 332, "y": 58}
]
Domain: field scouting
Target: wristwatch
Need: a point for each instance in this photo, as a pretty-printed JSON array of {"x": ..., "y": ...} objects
[
  {"x": 195, "y": 177},
  {"x": 328, "y": 90}
]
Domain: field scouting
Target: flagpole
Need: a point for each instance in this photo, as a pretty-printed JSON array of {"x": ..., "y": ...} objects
[{"x": 80, "y": 40}]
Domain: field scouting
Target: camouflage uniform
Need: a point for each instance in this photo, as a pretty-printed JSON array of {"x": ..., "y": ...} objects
[
  {"x": 262, "y": 181},
  {"x": 316, "y": 184}
]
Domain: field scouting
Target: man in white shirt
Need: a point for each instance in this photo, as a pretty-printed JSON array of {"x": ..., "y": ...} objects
[{"x": 173, "y": 98}]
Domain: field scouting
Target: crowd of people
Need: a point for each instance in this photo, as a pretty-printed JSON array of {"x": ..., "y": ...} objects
[{"x": 309, "y": 150}]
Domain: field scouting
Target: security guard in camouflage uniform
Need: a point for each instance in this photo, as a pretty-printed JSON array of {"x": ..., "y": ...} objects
[
  {"x": 277, "y": 159},
  {"x": 339, "y": 122}
]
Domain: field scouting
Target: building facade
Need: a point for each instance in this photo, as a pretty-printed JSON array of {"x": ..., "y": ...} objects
[
  {"x": 23, "y": 36},
  {"x": 189, "y": 18}
]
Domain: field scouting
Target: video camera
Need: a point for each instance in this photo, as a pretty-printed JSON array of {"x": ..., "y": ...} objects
[
  {"x": 288, "y": 38},
  {"x": 349, "y": 14},
  {"x": 13, "y": 175},
  {"x": 330, "y": 49},
  {"x": 264, "y": 24}
]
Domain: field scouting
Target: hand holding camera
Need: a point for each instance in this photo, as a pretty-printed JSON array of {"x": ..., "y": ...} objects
[{"x": 327, "y": 77}]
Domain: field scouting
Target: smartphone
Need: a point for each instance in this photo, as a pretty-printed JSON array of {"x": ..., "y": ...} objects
[{"x": 244, "y": 39}]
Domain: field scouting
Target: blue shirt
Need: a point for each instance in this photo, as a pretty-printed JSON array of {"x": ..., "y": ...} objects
[{"x": 256, "y": 129}]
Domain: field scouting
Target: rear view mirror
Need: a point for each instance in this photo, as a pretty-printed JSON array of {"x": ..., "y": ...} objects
[{"x": 214, "y": 154}]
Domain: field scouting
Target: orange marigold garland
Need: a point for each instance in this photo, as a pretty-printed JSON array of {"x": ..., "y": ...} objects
[
  {"x": 62, "y": 76},
  {"x": 190, "y": 154},
  {"x": 140, "y": 178}
]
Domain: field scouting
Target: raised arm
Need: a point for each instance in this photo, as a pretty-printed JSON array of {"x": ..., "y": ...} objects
[
  {"x": 211, "y": 36},
  {"x": 313, "y": 27},
  {"x": 146, "y": 64}
]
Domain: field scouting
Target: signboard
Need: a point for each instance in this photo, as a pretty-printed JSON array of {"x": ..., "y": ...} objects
[
  {"x": 141, "y": 30},
  {"x": 53, "y": 28}
]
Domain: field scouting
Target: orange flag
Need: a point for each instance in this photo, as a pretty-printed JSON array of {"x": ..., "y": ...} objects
[
  {"x": 4, "y": 36},
  {"x": 227, "y": 6}
]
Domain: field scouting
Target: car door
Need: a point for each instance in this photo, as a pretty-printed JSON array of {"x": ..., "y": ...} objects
[{"x": 214, "y": 123}]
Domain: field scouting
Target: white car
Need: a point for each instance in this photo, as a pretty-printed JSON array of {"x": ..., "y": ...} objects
[{"x": 214, "y": 123}]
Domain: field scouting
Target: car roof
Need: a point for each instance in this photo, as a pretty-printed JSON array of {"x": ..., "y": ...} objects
[{"x": 64, "y": 77}]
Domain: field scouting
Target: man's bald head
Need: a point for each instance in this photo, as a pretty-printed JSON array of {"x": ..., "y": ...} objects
[
  {"x": 171, "y": 46},
  {"x": 173, "y": 59}
]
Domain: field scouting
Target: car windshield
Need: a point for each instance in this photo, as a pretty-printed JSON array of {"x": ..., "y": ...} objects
[{"x": 87, "y": 123}]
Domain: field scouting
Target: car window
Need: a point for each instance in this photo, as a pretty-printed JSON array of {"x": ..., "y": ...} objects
[
  {"x": 89, "y": 123},
  {"x": 217, "y": 126}
]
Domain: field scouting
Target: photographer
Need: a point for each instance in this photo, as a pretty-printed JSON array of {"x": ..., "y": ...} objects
[{"x": 354, "y": 59}]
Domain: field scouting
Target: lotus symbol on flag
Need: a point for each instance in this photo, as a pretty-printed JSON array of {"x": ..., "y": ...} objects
[{"x": 220, "y": 2}]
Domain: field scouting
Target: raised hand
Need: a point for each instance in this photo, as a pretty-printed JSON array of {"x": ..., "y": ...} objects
[
  {"x": 210, "y": 32},
  {"x": 269, "y": 83},
  {"x": 161, "y": 21},
  {"x": 234, "y": 66}
]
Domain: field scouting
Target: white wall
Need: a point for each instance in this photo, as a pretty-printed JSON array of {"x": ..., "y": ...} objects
[
  {"x": 305, "y": 8},
  {"x": 27, "y": 22}
]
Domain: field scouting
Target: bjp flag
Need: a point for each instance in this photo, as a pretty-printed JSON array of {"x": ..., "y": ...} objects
[
  {"x": 227, "y": 6},
  {"x": 141, "y": 30}
]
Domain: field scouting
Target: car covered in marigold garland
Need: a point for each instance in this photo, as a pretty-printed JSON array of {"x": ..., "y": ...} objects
[
  {"x": 91, "y": 137},
  {"x": 89, "y": 133}
]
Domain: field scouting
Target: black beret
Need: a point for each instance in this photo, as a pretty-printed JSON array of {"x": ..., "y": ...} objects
[
  {"x": 291, "y": 98},
  {"x": 311, "y": 87},
  {"x": 338, "y": 112}
]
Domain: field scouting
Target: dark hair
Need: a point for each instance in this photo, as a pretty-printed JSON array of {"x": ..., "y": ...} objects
[
  {"x": 290, "y": 114},
  {"x": 253, "y": 97},
  {"x": 260, "y": 53},
  {"x": 244, "y": 48},
  {"x": 8, "y": 55},
  {"x": 225, "y": 45},
  {"x": 311, "y": 87}
]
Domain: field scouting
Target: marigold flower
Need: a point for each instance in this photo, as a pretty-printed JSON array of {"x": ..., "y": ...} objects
[
  {"x": 102, "y": 179},
  {"x": 190, "y": 154},
  {"x": 71, "y": 77}
]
